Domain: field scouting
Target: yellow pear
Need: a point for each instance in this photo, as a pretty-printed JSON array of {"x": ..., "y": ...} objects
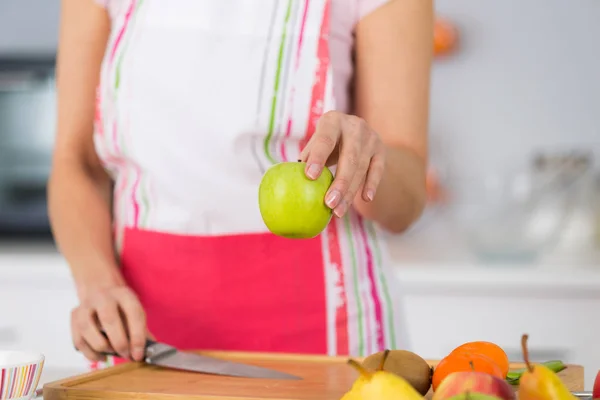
[
  {"x": 380, "y": 385},
  {"x": 539, "y": 382}
]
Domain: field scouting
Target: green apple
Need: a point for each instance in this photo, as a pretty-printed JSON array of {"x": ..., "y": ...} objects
[{"x": 293, "y": 205}]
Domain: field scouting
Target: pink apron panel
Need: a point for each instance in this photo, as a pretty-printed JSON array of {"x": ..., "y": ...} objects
[{"x": 254, "y": 292}]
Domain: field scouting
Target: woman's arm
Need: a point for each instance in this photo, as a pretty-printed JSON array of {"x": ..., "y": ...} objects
[
  {"x": 79, "y": 190},
  {"x": 381, "y": 152},
  {"x": 393, "y": 61}
]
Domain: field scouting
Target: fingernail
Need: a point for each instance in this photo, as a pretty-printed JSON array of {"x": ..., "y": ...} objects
[
  {"x": 370, "y": 194},
  {"x": 313, "y": 171},
  {"x": 332, "y": 199},
  {"x": 341, "y": 209}
]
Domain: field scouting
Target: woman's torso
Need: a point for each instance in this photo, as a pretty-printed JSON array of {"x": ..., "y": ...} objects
[{"x": 198, "y": 97}]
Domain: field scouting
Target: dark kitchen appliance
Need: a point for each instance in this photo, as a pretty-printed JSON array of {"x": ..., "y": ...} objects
[{"x": 27, "y": 130}]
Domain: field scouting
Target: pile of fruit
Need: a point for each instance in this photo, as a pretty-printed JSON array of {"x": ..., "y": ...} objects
[{"x": 472, "y": 371}]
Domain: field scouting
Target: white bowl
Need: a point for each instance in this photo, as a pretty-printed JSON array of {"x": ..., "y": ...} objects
[{"x": 19, "y": 374}]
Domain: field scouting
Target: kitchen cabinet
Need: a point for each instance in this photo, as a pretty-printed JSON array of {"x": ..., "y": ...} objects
[
  {"x": 445, "y": 306},
  {"x": 28, "y": 27}
]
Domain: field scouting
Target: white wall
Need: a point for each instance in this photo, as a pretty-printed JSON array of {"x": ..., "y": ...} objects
[
  {"x": 527, "y": 76},
  {"x": 29, "y": 26}
]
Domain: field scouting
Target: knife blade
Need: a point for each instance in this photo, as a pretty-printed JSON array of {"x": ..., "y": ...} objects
[
  {"x": 583, "y": 395},
  {"x": 164, "y": 355}
]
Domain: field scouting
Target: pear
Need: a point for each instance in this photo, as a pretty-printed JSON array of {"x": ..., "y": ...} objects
[
  {"x": 539, "y": 382},
  {"x": 380, "y": 384}
]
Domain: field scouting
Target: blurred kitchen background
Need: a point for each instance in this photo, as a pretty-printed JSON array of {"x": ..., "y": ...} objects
[{"x": 509, "y": 243}]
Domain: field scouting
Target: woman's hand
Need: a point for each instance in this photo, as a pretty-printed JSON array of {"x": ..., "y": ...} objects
[
  {"x": 349, "y": 142},
  {"x": 118, "y": 312}
]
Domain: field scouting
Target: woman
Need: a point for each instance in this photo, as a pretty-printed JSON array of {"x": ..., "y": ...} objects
[{"x": 169, "y": 112}]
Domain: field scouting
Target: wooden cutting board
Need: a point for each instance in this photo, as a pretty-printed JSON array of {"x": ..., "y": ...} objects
[{"x": 324, "y": 378}]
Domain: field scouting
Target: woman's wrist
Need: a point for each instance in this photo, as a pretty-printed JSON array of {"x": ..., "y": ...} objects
[
  {"x": 401, "y": 195},
  {"x": 97, "y": 278}
]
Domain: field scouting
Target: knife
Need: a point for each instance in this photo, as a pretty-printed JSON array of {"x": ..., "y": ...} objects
[{"x": 163, "y": 355}]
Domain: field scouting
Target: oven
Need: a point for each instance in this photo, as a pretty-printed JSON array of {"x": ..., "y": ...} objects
[{"x": 27, "y": 131}]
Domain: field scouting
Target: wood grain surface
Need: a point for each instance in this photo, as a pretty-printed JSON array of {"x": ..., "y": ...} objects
[{"x": 324, "y": 378}]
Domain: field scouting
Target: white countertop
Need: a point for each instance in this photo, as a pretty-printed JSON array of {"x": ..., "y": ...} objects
[
  {"x": 501, "y": 279},
  {"x": 417, "y": 269},
  {"x": 19, "y": 262},
  {"x": 447, "y": 265}
]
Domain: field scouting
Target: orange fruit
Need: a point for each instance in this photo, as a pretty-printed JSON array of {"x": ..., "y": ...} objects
[
  {"x": 445, "y": 37},
  {"x": 488, "y": 349},
  {"x": 460, "y": 362}
]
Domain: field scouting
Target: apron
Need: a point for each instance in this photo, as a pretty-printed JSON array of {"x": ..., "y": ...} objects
[{"x": 197, "y": 98}]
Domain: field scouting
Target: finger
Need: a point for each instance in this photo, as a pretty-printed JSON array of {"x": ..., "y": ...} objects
[
  {"x": 112, "y": 323},
  {"x": 348, "y": 164},
  {"x": 88, "y": 328},
  {"x": 80, "y": 344},
  {"x": 346, "y": 171},
  {"x": 304, "y": 152},
  {"x": 322, "y": 144},
  {"x": 136, "y": 324},
  {"x": 332, "y": 160},
  {"x": 374, "y": 176},
  {"x": 359, "y": 178}
]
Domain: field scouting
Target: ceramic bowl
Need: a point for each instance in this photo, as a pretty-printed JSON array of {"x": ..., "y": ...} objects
[{"x": 19, "y": 374}]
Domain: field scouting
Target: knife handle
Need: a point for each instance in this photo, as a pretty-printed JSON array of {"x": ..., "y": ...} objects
[{"x": 149, "y": 342}]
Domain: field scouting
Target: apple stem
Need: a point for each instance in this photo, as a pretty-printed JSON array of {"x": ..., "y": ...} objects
[
  {"x": 526, "y": 352},
  {"x": 361, "y": 370},
  {"x": 468, "y": 395},
  {"x": 386, "y": 353}
]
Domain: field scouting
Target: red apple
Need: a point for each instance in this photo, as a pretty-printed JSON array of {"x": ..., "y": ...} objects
[
  {"x": 473, "y": 382},
  {"x": 596, "y": 391}
]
